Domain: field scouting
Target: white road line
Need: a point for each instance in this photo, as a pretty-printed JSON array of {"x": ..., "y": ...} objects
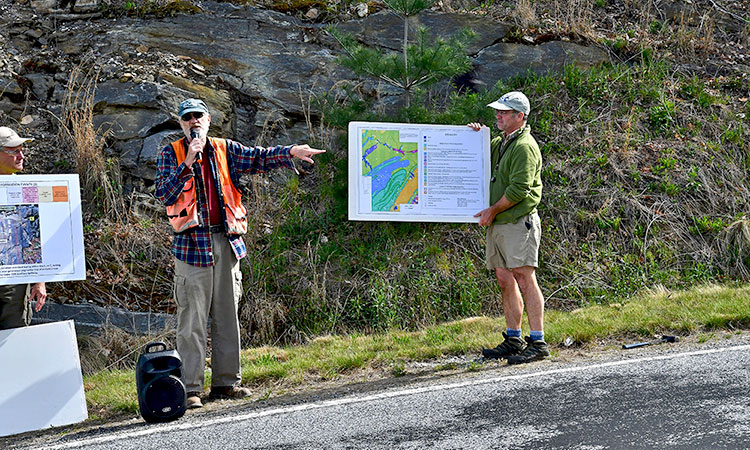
[{"x": 367, "y": 398}]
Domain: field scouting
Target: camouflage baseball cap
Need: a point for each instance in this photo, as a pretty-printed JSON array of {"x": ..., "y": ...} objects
[{"x": 192, "y": 105}]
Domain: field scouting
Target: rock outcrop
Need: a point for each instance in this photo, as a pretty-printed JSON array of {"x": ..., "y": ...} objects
[{"x": 255, "y": 68}]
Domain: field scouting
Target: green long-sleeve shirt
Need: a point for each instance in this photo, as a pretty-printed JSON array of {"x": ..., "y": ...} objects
[{"x": 517, "y": 175}]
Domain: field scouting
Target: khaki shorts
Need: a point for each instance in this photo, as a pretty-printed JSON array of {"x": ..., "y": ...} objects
[{"x": 513, "y": 245}]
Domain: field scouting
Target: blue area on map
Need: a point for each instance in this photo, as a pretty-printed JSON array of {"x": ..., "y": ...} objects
[
  {"x": 370, "y": 150},
  {"x": 367, "y": 152},
  {"x": 381, "y": 173}
]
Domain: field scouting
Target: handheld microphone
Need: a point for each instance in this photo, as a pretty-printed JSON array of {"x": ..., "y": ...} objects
[{"x": 193, "y": 135}]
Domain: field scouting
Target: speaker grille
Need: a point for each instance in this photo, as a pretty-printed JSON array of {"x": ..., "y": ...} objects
[{"x": 164, "y": 396}]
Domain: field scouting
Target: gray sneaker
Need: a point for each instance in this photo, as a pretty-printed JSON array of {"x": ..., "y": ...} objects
[
  {"x": 535, "y": 351},
  {"x": 509, "y": 347},
  {"x": 233, "y": 392}
]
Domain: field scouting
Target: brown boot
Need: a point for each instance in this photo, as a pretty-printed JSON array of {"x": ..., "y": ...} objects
[{"x": 193, "y": 400}]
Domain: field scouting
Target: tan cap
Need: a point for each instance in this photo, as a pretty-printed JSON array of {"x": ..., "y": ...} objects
[{"x": 9, "y": 138}]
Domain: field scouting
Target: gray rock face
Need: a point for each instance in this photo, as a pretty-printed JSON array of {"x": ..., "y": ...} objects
[
  {"x": 150, "y": 151},
  {"x": 385, "y": 29},
  {"x": 254, "y": 68},
  {"x": 142, "y": 95},
  {"x": 503, "y": 60},
  {"x": 6, "y": 106},
  {"x": 124, "y": 124},
  {"x": 11, "y": 97},
  {"x": 43, "y": 6},
  {"x": 264, "y": 55},
  {"x": 10, "y": 88},
  {"x": 141, "y": 117}
]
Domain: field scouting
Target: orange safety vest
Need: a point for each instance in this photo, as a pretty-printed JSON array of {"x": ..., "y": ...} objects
[{"x": 183, "y": 214}]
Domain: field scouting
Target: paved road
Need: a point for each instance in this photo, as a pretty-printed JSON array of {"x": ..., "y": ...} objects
[{"x": 687, "y": 400}]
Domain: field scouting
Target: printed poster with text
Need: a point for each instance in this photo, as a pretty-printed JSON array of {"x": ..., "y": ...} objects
[
  {"x": 417, "y": 172},
  {"x": 41, "y": 232}
]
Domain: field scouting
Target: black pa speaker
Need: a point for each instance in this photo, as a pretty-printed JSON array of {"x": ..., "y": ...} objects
[{"x": 161, "y": 393}]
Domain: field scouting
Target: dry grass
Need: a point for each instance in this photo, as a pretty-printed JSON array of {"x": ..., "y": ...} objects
[
  {"x": 574, "y": 16},
  {"x": 680, "y": 31},
  {"x": 264, "y": 314},
  {"x": 692, "y": 38},
  {"x": 123, "y": 268},
  {"x": 115, "y": 349},
  {"x": 734, "y": 247},
  {"x": 524, "y": 14},
  {"x": 100, "y": 177}
]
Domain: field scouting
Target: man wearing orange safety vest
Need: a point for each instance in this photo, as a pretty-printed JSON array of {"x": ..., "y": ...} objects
[{"x": 196, "y": 179}]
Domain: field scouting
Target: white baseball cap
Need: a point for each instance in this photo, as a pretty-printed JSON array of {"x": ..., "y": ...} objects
[
  {"x": 9, "y": 138},
  {"x": 512, "y": 101}
]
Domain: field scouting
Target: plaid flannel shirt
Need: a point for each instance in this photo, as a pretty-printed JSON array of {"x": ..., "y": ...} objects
[{"x": 194, "y": 246}]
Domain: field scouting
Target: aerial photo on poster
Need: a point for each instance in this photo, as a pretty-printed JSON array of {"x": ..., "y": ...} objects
[{"x": 20, "y": 241}]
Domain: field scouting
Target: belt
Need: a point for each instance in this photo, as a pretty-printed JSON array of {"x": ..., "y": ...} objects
[{"x": 216, "y": 228}]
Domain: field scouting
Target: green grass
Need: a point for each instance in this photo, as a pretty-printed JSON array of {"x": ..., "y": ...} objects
[
  {"x": 111, "y": 391},
  {"x": 683, "y": 312},
  {"x": 700, "y": 310}
]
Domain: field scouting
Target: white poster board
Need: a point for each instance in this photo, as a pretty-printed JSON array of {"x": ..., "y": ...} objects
[
  {"x": 40, "y": 382},
  {"x": 41, "y": 231},
  {"x": 417, "y": 172}
]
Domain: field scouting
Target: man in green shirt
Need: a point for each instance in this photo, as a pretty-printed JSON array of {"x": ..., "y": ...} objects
[{"x": 514, "y": 230}]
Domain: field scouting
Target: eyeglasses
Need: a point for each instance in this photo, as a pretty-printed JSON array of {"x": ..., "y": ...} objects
[
  {"x": 505, "y": 112},
  {"x": 13, "y": 152},
  {"x": 191, "y": 115}
]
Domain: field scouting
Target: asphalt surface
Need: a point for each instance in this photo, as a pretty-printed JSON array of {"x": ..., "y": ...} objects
[{"x": 684, "y": 398}]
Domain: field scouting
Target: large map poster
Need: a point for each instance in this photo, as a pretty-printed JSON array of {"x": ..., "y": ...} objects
[
  {"x": 41, "y": 231},
  {"x": 417, "y": 172}
]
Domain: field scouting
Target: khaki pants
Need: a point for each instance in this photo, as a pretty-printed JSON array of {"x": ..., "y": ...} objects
[
  {"x": 15, "y": 311},
  {"x": 513, "y": 245},
  {"x": 201, "y": 292}
]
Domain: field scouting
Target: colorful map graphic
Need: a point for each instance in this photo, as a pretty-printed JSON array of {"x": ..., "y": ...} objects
[{"x": 392, "y": 165}]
